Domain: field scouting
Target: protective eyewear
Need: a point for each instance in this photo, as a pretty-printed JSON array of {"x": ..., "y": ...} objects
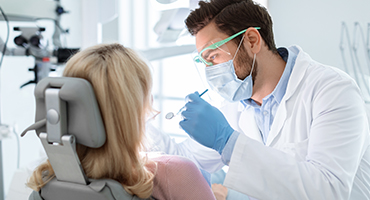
[{"x": 217, "y": 52}]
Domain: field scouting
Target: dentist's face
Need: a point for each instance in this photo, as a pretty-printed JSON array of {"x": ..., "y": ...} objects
[{"x": 210, "y": 35}]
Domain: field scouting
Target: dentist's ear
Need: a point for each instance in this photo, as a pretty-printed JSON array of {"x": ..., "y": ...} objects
[{"x": 253, "y": 40}]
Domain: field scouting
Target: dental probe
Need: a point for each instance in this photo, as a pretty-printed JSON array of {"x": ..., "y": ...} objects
[{"x": 170, "y": 115}]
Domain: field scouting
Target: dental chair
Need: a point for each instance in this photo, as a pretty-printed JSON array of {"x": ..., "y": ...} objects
[{"x": 67, "y": 113}]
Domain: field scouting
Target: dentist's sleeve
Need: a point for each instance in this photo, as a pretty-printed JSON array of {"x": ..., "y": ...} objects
[{"x": 205, "y": 158}]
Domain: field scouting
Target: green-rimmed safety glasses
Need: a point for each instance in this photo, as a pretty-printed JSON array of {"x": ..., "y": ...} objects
[{"x": 217, "y": 52}]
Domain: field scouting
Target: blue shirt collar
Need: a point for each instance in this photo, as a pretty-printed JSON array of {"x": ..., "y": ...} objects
[{"x": 289, "y": 57}]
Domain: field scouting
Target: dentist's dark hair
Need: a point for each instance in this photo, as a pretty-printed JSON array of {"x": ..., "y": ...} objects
[{"x": 232, "y": 16}]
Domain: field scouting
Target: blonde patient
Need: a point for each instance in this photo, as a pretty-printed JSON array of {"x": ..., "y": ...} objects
[{"x": 122, "y": 84}]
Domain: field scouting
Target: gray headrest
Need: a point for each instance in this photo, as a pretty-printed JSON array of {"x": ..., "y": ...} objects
[{"x": 84, "y": 120}]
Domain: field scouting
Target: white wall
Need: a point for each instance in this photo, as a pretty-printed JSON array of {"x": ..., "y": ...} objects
[
  {"x": 315, "y": 25},
  {"x": 17, "y": 110}
]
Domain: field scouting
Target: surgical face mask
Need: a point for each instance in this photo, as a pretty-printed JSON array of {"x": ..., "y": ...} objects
[{"x": 223, "y": 80}]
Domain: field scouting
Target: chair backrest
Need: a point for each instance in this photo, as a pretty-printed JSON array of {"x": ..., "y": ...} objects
[{"x": 67, "y": 113}]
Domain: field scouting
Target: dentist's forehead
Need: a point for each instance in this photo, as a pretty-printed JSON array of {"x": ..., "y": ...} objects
[{"x": 208, "y": 35}]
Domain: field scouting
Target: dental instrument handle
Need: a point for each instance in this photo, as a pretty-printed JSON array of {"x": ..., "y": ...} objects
[
  {"x": 184, "y": 106},
  {"x": 203, "y": 93}
]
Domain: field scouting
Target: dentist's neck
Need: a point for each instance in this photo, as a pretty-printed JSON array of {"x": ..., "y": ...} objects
[{"x": 269, "y": 71}]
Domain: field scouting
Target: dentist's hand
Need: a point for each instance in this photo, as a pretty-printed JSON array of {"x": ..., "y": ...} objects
[{"x": 205, "y": 123}]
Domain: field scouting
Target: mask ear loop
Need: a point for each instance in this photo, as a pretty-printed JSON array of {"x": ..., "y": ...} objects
[
  {"x": 254, "y": 56},
  {"x": 254, "y": 60},
  {"x": 241, "y": 41}
]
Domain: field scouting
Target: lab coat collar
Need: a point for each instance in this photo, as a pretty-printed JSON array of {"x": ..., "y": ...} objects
[
  {"x": 241, "y": 106},
  {"x": 302, "y": 62}
]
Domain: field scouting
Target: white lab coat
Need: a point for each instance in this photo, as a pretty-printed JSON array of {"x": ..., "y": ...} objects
[{"x": 318, "y": 146}]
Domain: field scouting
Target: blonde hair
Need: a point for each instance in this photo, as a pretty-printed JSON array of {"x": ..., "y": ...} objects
[{"x": 122, "y": 84}]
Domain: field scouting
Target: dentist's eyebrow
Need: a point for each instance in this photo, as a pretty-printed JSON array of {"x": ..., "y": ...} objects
[{"x": 207, "y": 53}]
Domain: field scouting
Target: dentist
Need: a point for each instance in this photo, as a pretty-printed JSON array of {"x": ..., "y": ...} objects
[{"x": 294, "y": 128}]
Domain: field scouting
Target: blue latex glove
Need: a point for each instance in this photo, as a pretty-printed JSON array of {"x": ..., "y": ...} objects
[{"x": 205, "y": 123}]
